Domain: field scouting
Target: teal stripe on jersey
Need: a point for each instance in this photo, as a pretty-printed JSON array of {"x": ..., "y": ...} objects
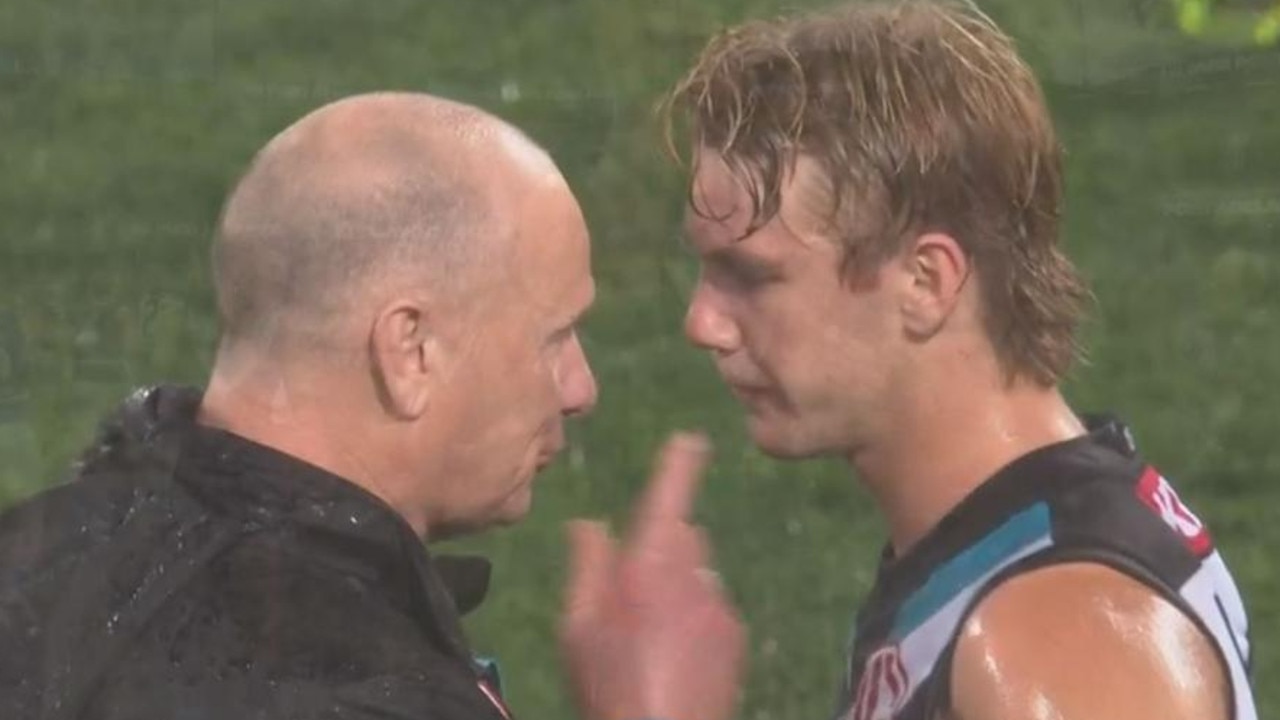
[{"x": 961, "y": 571}]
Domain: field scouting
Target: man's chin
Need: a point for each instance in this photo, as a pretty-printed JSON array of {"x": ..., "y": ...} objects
[
  {"x": 514, "y": 508},
  {"x": 780, "y": 441}
]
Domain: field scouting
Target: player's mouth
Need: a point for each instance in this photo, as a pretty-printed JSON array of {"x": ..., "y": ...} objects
[{"x": 747, "y": 393}]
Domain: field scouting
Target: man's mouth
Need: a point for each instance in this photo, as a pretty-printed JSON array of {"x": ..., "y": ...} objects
[
  {"x": 547, "y": 458},
  {"x": 746, "y": 392}
]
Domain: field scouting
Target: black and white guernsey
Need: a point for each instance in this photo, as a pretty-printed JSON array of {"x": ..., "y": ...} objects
[{"x": 1091, "y": 499}]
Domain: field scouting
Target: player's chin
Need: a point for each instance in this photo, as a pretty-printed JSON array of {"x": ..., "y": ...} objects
[{"x": 781, "y": 439}]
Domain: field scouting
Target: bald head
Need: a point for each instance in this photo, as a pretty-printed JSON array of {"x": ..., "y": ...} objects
[{"x": 363, "y": 198}]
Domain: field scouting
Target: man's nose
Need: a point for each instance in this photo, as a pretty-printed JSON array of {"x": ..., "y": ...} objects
[
  {"x": 707, "y": 326},
  {"x": 578, "y": 385}
]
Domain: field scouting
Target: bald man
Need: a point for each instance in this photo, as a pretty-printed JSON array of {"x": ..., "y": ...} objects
[{"x": 398, "y": 281}]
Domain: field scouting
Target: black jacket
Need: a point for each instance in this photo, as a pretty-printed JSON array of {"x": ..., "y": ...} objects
[{"x": 190, "y": 574}]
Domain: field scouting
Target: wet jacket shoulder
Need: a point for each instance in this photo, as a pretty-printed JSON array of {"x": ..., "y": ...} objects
[{"x": 188, "y": 573}]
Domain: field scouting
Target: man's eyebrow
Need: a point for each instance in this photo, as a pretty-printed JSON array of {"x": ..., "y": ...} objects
[
  {"x": 582, "y": 311},
  {"x": 686, "y": 240},
  {"x": 733, "y": 254},
  {"x": 697, "y": 223}
]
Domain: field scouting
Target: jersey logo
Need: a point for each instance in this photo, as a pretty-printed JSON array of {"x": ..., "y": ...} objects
[
  {"x": 883, "y": 686},
  {"x": 1159, "y": 495}
]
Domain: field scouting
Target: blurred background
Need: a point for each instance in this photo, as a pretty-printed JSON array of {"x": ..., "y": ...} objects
[{"x": 122, "y": 123}]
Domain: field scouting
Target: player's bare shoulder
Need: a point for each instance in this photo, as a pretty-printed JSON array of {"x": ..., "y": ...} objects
[{"x": 1081, "y": 640}]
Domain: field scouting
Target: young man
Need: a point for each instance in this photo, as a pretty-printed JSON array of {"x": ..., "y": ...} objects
[{"x": 875, "y": 203}]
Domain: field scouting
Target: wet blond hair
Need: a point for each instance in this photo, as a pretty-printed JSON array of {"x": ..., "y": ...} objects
[{"x": 921, "y": 117}]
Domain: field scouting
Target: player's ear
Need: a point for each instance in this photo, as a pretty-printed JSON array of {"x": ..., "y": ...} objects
[
  {"x": 404, "y": 357},
  {"x": 936, "y": 270}
]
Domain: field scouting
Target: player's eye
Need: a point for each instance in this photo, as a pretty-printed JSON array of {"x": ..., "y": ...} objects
[{"x": 740, "y": 273}]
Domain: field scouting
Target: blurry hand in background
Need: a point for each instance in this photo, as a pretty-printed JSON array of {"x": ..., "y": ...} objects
[{"x": 647, "y": 631}]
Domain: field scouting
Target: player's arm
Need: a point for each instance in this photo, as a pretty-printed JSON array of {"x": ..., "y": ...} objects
[{"x": 1084, "y": 642}]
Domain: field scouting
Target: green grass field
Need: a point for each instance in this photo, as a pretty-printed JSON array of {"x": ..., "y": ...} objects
[{"x": 122, "y": 123}]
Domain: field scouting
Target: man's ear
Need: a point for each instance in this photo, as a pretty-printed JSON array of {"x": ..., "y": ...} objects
[
  {"x": 404, "y": 357},
  {"x": 937, "y": 270}
]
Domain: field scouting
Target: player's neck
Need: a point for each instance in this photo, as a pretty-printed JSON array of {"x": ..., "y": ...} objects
[{"x": 945, "y": 445}]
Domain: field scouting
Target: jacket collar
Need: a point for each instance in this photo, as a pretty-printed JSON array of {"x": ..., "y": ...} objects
[{"x": 265, "y": 487}]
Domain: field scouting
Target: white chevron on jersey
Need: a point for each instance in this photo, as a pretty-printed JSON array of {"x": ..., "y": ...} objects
[{"x": 1213, "y": 595}]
